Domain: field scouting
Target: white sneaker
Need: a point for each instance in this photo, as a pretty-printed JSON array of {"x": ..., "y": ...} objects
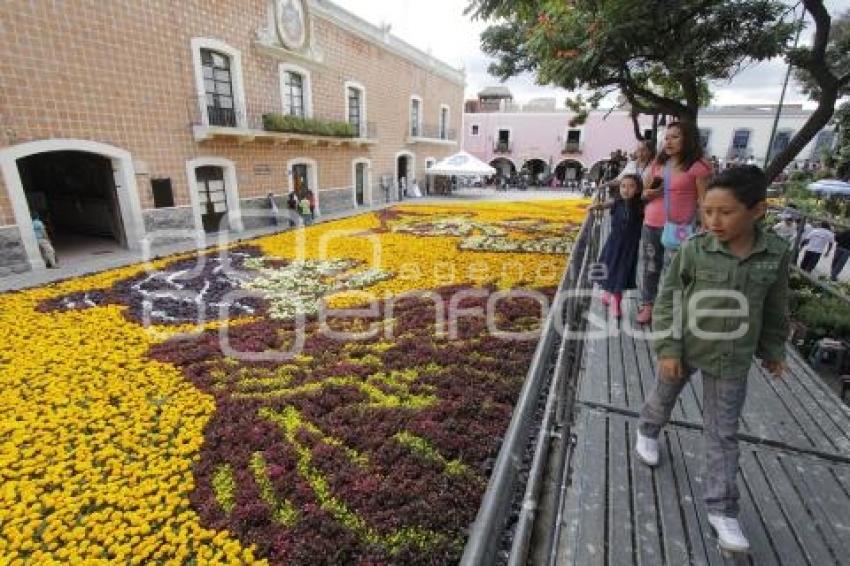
[
  {"x": 729, "y": 533},
  {"x": 646, "y": 449}
]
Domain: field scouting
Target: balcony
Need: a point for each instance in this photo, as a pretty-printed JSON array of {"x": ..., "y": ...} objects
[
  {"x": 431, "y": 134},
  {"x": 503, "y": 147},
  {"x": 264, "y": 124},
  {"x": 571, "y": 147}
]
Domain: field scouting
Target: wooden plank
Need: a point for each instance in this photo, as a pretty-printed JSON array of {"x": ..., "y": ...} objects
[
  {"x": 671, "y": 501},
  {"x": 571, "y": 517},
  {"x": 812, "y": 416},
  {"x": 631, "y": 372},
  {"x": 688, "y": 493},
  {"x": 762, "y": 550},
  {"x": 590, "y": 481},
  {"x": 832, "y": 412},
  {"x": 842, "y": 475},
  {"x": 646, "y": 370},
  {"x": 619, "y": 510},
  {"x": 647, "y": 509},
  {"x": 801, "y": 522},
  {"x": 824, "y": 498},
  {"x": 769, "y": 417},
  {"x": 616, "y": 377},
  {"x": 594, "y": 382},
  {"x": 770, "y": 512},
  {"x": 693, "y": 457}
]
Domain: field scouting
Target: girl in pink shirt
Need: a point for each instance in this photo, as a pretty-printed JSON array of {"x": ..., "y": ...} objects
[{"x": 690, "y": 174}]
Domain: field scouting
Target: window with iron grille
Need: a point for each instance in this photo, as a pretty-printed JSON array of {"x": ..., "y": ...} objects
[
  {"x": 741, "y": 140},
  {"x": 218, "y": 88},
  {"x": 414, "y": 117},
  {"x": 354, "y": 110},
  {"x": 293, "y": 94},
  {"x": 781, "y": 141}
]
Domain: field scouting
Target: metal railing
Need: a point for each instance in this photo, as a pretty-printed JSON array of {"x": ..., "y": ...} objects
[
  {"x": 571, "y": 147},
  {"x": 431, "y": 131},
  {"x": 486, "y": 532},
  {"x": 250, "y": 116},
  {"x": 503, "y": 147}
]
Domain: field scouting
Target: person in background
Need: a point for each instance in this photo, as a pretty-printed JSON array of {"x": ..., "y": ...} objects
[
  {"x": 735, "y": 263},
  {"x": 292, "y": 206},
  {"x": 275, "y": 213},
  {"x": 311, "y": 198},
  {"x": 785, "y": 228},
  {"x": 816, "y": 244},
  {"x": 842, "y": 253},
  {"x": 304, "y": 210},
  {"x": 689, "y": 175},
  {"x": 44, "y": 245},
  {"x": 620, "y": 253}
]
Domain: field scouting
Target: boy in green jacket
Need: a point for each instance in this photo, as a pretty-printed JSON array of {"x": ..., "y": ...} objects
[{"x": 723, "y": 300}]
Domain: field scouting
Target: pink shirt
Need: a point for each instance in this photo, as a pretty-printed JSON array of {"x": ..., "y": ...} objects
[{"x": 683, "y": 195}]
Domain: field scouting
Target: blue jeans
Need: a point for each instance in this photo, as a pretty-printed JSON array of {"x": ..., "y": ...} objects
[{"x": 723, "y": 401}]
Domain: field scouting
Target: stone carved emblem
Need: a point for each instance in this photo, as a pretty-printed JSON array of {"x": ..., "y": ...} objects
[{"x": 291, "y": 20}]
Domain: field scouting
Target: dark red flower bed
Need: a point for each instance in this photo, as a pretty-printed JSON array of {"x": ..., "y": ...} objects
[{"x": 376, "y": 451}]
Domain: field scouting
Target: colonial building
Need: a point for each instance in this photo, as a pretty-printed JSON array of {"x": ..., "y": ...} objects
[
  {"x": 537, "y": 137},
  {"x": 123, "y": 120}
]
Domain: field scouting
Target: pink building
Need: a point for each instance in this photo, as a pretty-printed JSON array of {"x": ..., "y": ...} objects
[{"x": 538, "y": 138}]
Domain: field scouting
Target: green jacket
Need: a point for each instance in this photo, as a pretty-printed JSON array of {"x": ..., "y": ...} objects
[{"x": 721, "y": 334}]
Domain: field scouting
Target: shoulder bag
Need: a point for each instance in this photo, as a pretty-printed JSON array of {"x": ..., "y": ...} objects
[{"x": 674, "y": 233}]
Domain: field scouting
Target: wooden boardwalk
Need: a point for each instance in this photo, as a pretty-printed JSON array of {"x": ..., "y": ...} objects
[{"x": 794, "y": 478}]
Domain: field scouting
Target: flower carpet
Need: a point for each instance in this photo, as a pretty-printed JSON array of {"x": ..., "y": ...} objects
[{"x": 290, "y": 400}]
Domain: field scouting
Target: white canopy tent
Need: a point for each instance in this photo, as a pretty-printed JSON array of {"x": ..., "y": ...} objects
[{"x": 461, "y": 164}]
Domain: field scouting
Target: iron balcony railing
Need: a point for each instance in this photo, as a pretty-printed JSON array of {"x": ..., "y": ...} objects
[
  {"x": 251, "y": 116},
  {"x": 571, "y": 147},
  {"x": 432, "y": 132},
  {"x": 502, "y": 147}
]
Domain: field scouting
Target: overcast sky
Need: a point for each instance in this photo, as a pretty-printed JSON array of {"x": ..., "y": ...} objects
[{"x": 441, "y": 27}]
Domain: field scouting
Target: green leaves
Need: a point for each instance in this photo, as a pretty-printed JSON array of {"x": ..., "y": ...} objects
[
  {"x": 295, "y": 124},
  {"x": 661, "y": 54}
]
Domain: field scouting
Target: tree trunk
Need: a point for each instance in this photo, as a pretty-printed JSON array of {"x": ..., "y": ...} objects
[
  {"x": 636, "y": 124},
  {"x": 819, "y": 118}
]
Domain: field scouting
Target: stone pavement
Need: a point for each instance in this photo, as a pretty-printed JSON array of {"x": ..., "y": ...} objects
[{"x": 96, "y": 263}]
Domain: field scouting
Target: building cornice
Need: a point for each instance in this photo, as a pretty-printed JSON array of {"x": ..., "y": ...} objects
[{"x": 382, "y": 38}]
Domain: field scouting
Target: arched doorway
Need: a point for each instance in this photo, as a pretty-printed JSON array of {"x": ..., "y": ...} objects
[
  {"x": 73, "y": 192},
  {"x": 504, "y": 167},
  {"x": 303, "y": 176},
  {"x": 405, "y": 172},
  {"x": 84, "y": 191},
  {"x": 569, "y": 171},
  {"x": 536, "y": 168},
  {"x": 597, "y": 170}
]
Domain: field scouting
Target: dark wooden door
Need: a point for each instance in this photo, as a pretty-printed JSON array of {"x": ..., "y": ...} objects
[
  {"x": 212, "y": 198},
  {"x": 360, "y": 183}
]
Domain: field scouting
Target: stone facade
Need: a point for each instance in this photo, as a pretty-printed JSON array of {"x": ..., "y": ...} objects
[
  {"x": 13, "y": 257},
  {"x": 164, "y": 225},
  {"x": 257, "y": 212},
  {"x": 81, "y": 71}
]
